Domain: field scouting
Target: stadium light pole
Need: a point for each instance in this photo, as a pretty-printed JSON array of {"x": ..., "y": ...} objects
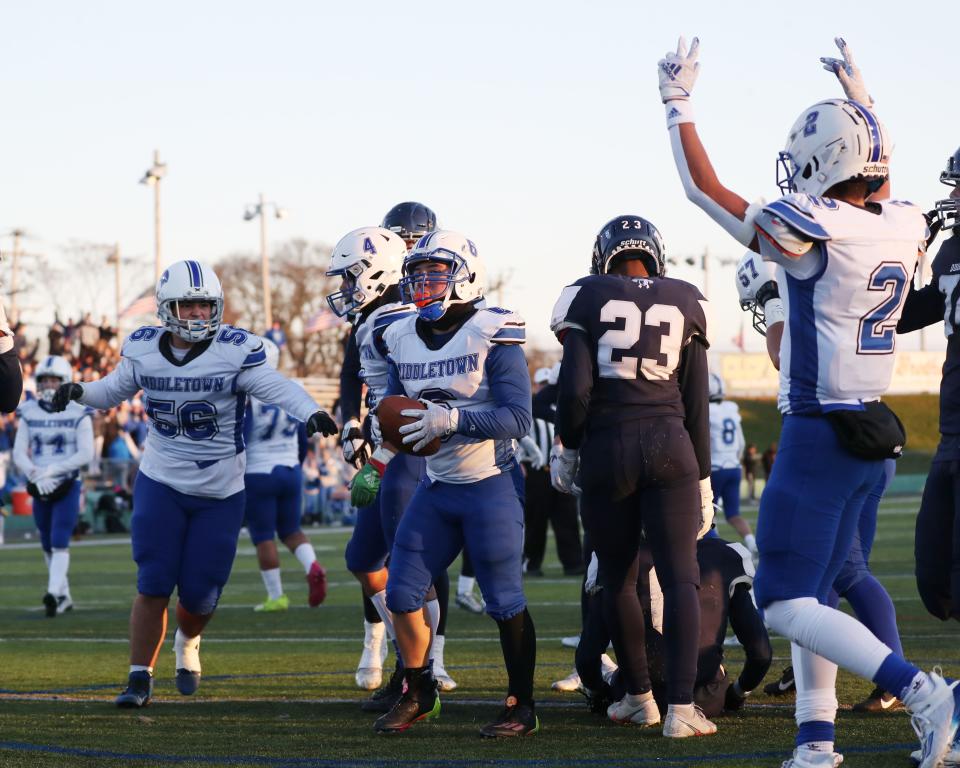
[
  {"x": 152, "y": 178},
  {"x": 114, "y": 259},
  {"x": 252, "y": 212}
]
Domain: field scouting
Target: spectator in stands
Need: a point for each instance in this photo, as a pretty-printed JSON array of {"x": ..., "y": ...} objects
[
  {"x": 107, "y": 331},
  {"x": 276, "y": 335},
  {"x": 118, "y": 453},
  {"x": 137, "y": 423},
  {"x": 768, "y": 457},
  {"x": 55, "y": 337},
  {"x": 312, "y": 496},
  {"x": 89, "y": 335},
  {"x": 751, "y": 466}
]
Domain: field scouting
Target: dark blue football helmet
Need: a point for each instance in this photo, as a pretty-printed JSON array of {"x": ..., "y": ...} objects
[
  {"x": 410, "y": 220},
  {"x": 629, "y": 237},
  {"x": 948, "y": 210}
]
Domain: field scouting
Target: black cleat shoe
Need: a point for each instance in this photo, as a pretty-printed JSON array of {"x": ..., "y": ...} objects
[
  {"x": 50, "y": 605},
  {"x": 786, "y": 684},
  {"x": 409, "y": 709},
  {"x": 599, "y": 700},
  {"x": 879, "y": 701},
  {"x": 138, "y": 692},
  {"x": 384, "y": 698},
  {"x": 515, "y": 720}
]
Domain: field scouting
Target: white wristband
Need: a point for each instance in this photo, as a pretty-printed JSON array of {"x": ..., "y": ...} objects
[
  {"x": 679, "y": 111},
  {"x": 773, "y": 312},
  {"x": 454, "y": 420},
  {"x": 383, "y": 455}
]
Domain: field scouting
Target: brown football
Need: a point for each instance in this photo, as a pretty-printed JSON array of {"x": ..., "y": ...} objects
[{"x": 388, "y": 412}]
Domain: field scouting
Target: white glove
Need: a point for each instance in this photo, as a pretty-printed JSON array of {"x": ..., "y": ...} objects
[
  {"x": 590, "y": 585},
  {"x": 46, "y": 484},
  {"x": 353, "y": 443},
  {"x": 678, "y": 71},
  {"x": 434, "y": 421},
  {"x": 706, "y": 507},
  {"x": 531, "y": 452},
  {"x": 848, "y": 73},
  {"x": 563, "y": 469}
]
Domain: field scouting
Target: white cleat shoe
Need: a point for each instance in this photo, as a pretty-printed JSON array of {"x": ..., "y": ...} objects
[
  {"x": 639, "y": 709},
  {"x": 369, "y": 674},
  {"x": 568, "y": 684},
  {"x": 470, "y": 602},
  {"x": 684, "y": 721},
  {"x": 570, "y": 642},
  {"x": 64, "y": 604},
  {"x": 608, "y": 668},
  {"x": 935, "y": 721},
  {"x": 806, "y": 758}
]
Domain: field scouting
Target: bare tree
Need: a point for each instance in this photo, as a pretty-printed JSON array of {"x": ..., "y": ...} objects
[{"x": 298, "y": 289}]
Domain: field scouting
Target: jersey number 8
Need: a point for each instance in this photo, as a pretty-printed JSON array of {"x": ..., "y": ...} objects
[{"x": 619, "y": 341}]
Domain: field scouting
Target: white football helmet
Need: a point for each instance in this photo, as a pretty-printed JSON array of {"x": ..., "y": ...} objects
[
  {"x": 189, "y": 281},
  {"x": 756, "y": 285},
  {"x": 462, "y": 283},
  {"x": 369, "y": 259},
  {"x": 52, "y": 367},
  {"x": 716, "y": 388},
  {"x": 833, "y": 141},
  {"x": 272, "y": 352}
]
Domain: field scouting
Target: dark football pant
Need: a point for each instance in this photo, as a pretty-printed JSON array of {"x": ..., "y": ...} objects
[
  {"x": 641, "y": 477},
  {"x": 937, "y": 543},
  {"x": 546, "y": 504}
]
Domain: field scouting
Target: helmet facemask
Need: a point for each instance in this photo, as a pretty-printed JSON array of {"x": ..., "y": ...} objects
[
  {"x": 192, "y": 330},
  {"x": 47, "y": 386},
  {"x": 421, "y": 287},
  {"x": 351, "y": 297}
]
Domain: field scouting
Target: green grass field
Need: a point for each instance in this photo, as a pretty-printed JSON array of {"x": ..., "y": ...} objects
[{"x": 278, "y": 688}]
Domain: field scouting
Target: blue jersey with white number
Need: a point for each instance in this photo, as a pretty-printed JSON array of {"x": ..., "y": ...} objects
[
  {"x": 842, "y": 298},
  {"x": 272, "y": 438}
]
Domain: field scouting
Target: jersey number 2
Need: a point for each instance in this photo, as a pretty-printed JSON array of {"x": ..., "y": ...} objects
[
  {"x": 877, "y": 330},
  {"x": 619, "y": 341}
]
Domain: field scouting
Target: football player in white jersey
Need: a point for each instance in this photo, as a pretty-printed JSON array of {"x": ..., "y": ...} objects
[
  {"x": 276, "y": 446},
  {"x": 188, "y": 500},
  {"x": 50, "y": 449},
  {"x": 843, "y": 265},
  {"x": 726, "y": 453},
  {"x": 463, "y": 361}
]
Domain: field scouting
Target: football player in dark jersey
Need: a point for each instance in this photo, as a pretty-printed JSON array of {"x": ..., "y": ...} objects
[
  {"x": 633, "y": 410},
  {"x": 937, "y": 543}
]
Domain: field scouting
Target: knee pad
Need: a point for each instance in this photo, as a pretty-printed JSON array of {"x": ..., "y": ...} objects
[{"x": 818, "y": 705}]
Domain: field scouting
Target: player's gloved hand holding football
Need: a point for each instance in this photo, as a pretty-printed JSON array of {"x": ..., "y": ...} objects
[
  {"x": 431, "y": 422},
  {"x": 64, "y": 394},
  {"x": 848, "y": 73},
  {"x": 366, "y": 483},
  {"x": 678, "y": 71},
  {"x": 563, "y": 469},
  {"x": 319, "y": 422},
  {"x": 353, "y": 443}
]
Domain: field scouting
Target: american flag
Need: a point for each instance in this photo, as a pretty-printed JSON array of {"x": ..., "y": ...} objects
[
  {"x": 738, "y": 340},
  {"x": 321, "y": 320},
  {"x": 144, "y": 304}
]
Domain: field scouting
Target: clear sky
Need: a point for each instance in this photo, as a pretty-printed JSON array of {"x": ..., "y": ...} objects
[{"x": 525, "y": 125}]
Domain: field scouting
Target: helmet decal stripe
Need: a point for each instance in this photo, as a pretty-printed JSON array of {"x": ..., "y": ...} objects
[
  {"x": 196, "y": 277},
  {"x": 876, "y": 137}
]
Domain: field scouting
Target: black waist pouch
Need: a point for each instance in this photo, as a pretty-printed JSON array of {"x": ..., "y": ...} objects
[
  {"x": 55, "y": 495},
  {"x": 873, "y": 433}
]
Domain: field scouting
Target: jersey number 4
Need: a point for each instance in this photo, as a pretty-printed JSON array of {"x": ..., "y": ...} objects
[{"x": 613, "y": 347}]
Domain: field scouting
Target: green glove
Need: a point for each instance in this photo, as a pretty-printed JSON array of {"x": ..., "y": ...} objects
[{"x": 365, "y": 485}]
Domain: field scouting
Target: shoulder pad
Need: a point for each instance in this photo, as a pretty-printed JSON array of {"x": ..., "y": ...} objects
[
  {"x": 749, "y": 571},
  {"x": 142, "y": 340},
  {"x": 559, "y": 320},
  {"x": 500, "y": 326},
  {"x": 799, "y": 212},
  {"x": 241, "y": 345},
  {"x": 388, "y": 314}
]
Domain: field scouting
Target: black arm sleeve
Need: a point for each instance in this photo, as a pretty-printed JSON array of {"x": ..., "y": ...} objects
[
  {"x": 748, "y": 627},
  {"x": 575, "y": 386},
  {"x": 545, "y": 404},
  {"x": 694, "y": 389},
  {"x": 351, "y": 386},
  {"x": 11, "y": 381},
  {"x": 922, "y": 307}
]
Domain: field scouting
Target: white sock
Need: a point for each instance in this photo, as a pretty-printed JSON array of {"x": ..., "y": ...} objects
[
  {"x": 379, "y": 601},
  {"x": 187, "y": 651},
  {"x": 433, "y": 614},
  {"x": 271, "y": 580},
  {"x": 817, "y": 747},
  {"x": 829, "y": 633},
  {"x": 59, "y": 564},
  {"x": 751, "y": 541},
  {"x": 919, "y": 688},
  {"x": 46, "y": 559},
  {"x": 306, "y": 554},
  {"x": 686, "y": 710},
  {"x": 140, "y": 668},
  {"x": 436, "y": 651},
  {"x": 465, "y": 584}
]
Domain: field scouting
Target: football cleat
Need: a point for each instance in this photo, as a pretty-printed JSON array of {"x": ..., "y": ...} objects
[
  {"x": 138, "y": 692},
  {"x": 608, "y": 668},
  {"x": 599, "y": 701},
  {"x": 419, "y": 702},
  {"x": 369, "y": 673},
  {"x": 639, "y": 709},
  {"x": 786, "y": 684},
  {"x": 444, "y": 682},
  {"x": 273, "y": 604},
  {"x": 952, "y": 760},
  {"x": 879, "y": 701},
  {"x": 680, "y": 725},
  {"x": 64, "y": 604},
  {"x": 571, "y": 641},
  {"x": 807, "y": 758},
  {"x": 50, "y": 605},
  {"x": 515, "y": 719},
  {"x": 317, "y": 581},
  {"x": 935, "y": 720},
  {"x": 470, "y": 602},
  {"x": 187, "y": 681},
  {"x": 187, "y": 653},
  {"x": 568, "y": 684},
  {"x": 384, "y": 699}
]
